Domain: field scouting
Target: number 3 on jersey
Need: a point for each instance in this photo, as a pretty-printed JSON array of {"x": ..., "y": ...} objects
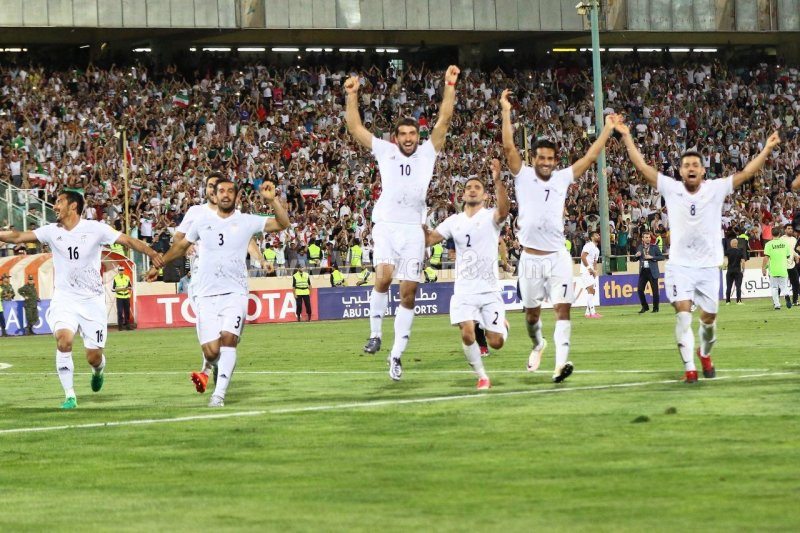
[{"x": 221, "y": 239}]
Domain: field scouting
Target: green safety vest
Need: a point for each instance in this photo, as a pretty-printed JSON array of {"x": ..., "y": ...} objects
[
  {"x": 660, "y": 244},
  {"x": 430, "y": 274},
  {"x": 301, "y": 283},
  {"x": 364, "y": 275},
  {"x": 116, "y": 247},
  {"x": 436, "y": 256},
  {"x": 270, "y": 255},
  {"x": 568, "y": 244},
  {"x": 355, "y": 255},
  {"x": 122, "y": 280},
  {"x": 338, "y": 278},
  {"x": 314, "y": 254}
]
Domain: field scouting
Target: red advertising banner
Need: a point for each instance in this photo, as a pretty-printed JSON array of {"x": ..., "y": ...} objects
[{"x": 175, "y": 310}]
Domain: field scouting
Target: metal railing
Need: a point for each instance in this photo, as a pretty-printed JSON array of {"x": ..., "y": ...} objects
[{"x": 22, "y": 208}]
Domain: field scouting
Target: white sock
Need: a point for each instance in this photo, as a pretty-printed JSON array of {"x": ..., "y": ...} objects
[
  {"x": 685, "y": 339},
  {"x": 590, "y": 305},
  {"x": 207, "y": 367},
  {"x": 535, "y": 333},
  {"x": 776, "y": 297},
  {"x": 402, "y": 330},
  {"x": 66, "y": 371},
  {"x": 377, "y": 308},
  {"x": 227, "y": 364},
  {"x": 561, "y": 337},
  {"x": 707, "y": 333},
  {"x": 473, "y": 355},
  {"x": 99, "y": 368}
]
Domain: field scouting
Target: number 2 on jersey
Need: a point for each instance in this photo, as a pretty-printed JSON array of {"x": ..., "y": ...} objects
[{"x": 469, "y": 239}]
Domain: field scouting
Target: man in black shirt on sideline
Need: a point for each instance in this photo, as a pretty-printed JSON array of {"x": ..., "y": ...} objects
[{"x": 734, "y": 256}]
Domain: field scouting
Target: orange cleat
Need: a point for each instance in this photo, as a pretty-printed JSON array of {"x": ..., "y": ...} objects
[
  {"x": 484, "y": 384},
  {"x": 200, "y": 381},
  {"x": 691, "y": 376}
]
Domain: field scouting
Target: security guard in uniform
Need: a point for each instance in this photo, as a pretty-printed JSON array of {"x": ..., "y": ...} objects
[
  {"x": 437, "y": 250},
  {"x": 28, "y": 292},
  {"x": 430, "y": 274},
  {"x": 116, "y": 247},
  {"x": 355, "y": 255},
  {"x": 363, "y": 277},
  {"x": 301, "y": 282},
  {"x": 122, "y": 290},
  {"x": 314, "y": 254},
  {"x": 6, "y": 295},
  {"x": 269, "y": 260},
  {"x": 337, "y": 278}
]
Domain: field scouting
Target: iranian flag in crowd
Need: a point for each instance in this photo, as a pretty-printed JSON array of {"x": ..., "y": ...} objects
[
  {"x": 310, "y": 192},
  {"x": 181, "y": 99}
]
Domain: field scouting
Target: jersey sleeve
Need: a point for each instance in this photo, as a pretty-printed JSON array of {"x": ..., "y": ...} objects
[
  {"x": 428, "y": 149},
  {"x": 666, "y": 185},
  {"x": 565, "y": 177},
  {"x": 43, "y": 234},
  {"x": 381, "y": 148},
  {"x": 108, "y": 235},
  {"x": 192, "y": 235},
  {"x": 723, "y": 187},
  {"x": 445, "y": 229},
  {"x": 491, "y": 212},
  {"x": 255, "y": 223},
  {"x": 187, "y": 221}
]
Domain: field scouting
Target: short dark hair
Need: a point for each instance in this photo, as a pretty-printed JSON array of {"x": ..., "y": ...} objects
[
  {"x": 545, "y": 143},
  {"x": 777, "y": 231},
  {"x": 691, "y": 153},
  {"x": 406, "y": 121},
  {"x": 222, "y": 180},
  {"x": 475, "y": 178},
  {"x": 74, "y": 197},
  {"x": 214, "y": 175}
]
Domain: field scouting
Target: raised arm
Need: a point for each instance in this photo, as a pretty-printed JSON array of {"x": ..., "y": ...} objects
[
  {"x": 513, "y": 159},
  {"x": 281, "y": 220},
  {"x": 16, "y": 237},
  {"x": 439, "y": 133},
  {"x": 752, "y": 168},
  {"x": 503, "y": 203},
  {"x": 142, "y": 248},
  {"x": 431, "y": 236},
  {"x": 351, "y": 116},
  {"x": 582, "y": 165},
  {"x": 650, "y": 174}
]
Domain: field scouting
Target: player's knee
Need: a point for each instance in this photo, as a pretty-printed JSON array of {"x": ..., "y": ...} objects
[
  {"x": 228, "y": 340},
  {"x": 467, "y": 337},
  {"x": 495, "y": 341},
  {"x": 64, "y": 345}
]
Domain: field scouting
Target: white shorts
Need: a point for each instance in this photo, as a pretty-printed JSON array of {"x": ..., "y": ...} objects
[
  {"x": 587, "y": 280},
  {"x": 399, "y": 245},
  {"x": 215, "y": 314},
  {"x": 780, "y": 283},
  {"x": 699, "y": 285},
  {"x": 486, "y": 308},
  {"x": 546, "y": 276},
  {"x": 89, "y": 317}
]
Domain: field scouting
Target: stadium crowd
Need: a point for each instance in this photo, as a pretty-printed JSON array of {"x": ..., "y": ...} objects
[{"x": 254, "y": 122}]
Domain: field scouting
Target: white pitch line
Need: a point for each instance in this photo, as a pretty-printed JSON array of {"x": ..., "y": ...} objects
[
  {"x": 144, "y": 422},
  {"x": 361, "y": 405},
  {"x": 3, "y": 366}
]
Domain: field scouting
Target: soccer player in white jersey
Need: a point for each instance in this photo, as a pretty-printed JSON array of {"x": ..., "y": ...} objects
[
  {"x": 694, "y": 206},
  {"x": 406, "y": 169},
  {"x": 545, "y": 267},
  {"x": 220, "y": 286},
  {"x": 476, "y": 294},
  {"x": 589, "y": 256},
  {"x": 79, "y": 303},
  {"x": 200, "y": 379}
]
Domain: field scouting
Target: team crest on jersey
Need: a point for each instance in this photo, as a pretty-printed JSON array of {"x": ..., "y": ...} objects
[{"x": 83, "y": 238}]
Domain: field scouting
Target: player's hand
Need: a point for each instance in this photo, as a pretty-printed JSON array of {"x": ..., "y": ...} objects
[
  {"x": 351, "y": 85},
  {"x": 773, "y": 140},
  {"x": 619, "y": 124},
  {"x": 611, "y": 119},
  {"x": 158, "y": 259},
  {"x": 151, "y": 275},
  {"x": 495, "y": 164},
  {"x": 267, "y": 191},
  {"x": 505, "y": 104},
  {"x": 451, "y": 76},
  {"x": 255, "y": 264}
]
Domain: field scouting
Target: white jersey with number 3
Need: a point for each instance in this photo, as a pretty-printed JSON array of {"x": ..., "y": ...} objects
[
  {"x": 541, "y": 208},
  {"x": 223, "y": 248},
  {"x": 695, "y": 220},
  {"x": 592, "y": 254},
  {"x": 476, "y": 240},
  {"x": 404, "y": 182},
  {"x": 76, "y": 257}
]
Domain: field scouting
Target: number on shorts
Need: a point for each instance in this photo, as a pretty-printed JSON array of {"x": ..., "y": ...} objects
[
  {"x": 468, "y": 241},
  {"x": 405, "y": 170},
  {"x": 693, "y": 210},
  {"x": 496, "y": 316},
  {"x": 99, "y": 335},
  {"x": 546, "y": 194},
  {"x": 221, "y": 239},
  {"x": 73, "y": 253},
  {"x": 565, "y": 289},
  {"x": 674, "y": 290},
  {"x": 238, "y": 322}
]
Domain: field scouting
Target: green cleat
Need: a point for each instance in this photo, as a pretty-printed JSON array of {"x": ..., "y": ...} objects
[
  {"x": 97, "y": 381},
  {"x": 70, "y": 403}
]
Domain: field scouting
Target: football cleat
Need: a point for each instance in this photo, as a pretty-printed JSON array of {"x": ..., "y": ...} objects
[
  {"x": 373, "y": 345},
  {"x": 485, "y": 351},
  {"x": 563, "y": 372},
  {"x": 708, "y": 366},
  {"x": 216, "y": 401},
  {"x": 535, "y": 358},
  {"x": 97, "y": 381},
  {"x": 484, "y": 384},
  {"x": 70, "y": 403},
  {"x": 395, "y": 368},
  {"x": 788, "y": 302},
  {"x": 690, "y": 377},
  {"x": 200, "y": 381}
]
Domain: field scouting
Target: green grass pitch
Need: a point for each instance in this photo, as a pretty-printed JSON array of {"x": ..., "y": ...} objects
[{"x": 315, "y": 436}]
